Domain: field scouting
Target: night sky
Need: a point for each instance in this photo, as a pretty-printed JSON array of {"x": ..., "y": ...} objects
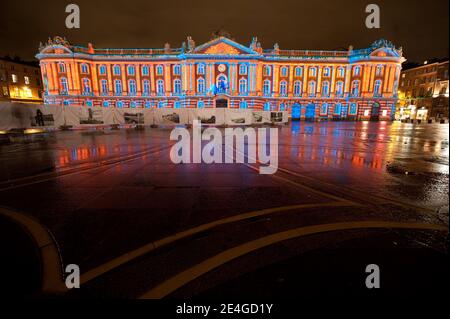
[{"x": 421, "y": 27}]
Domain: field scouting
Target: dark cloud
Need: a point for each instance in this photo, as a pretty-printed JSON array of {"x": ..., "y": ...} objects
[{"x": 421, "y": 27}]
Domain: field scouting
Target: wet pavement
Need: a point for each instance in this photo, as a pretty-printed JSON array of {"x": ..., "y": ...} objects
[{"x": 132, "y": 220}]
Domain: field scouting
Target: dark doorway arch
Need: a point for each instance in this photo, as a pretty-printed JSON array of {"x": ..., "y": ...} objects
[
  {"x": 375, "y": 112},
  {"x": 296, "y": 111},
  {"x": 221, "y": 103},
  {"x": 310, "y": 112}
]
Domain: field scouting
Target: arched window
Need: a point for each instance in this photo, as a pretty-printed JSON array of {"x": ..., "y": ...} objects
[
  {"x": 131, "y": 70},
  {"x": 283, "y": 88},
  {"x": 326, "y": 72},
  {"x": 200, "y": 104},
  {"x": 104, "y": 86},
  {"x": 267, "y": 90},
  {"x": 84, "y": 68},
  {"x": 132, "y": 87},
  {"x": 160, "y": 87},
  {"x": 105, "y": 103},
  {"x": 337, "y": 108},
  {"x": 145, "y": 70},
  {"x": 356, "y": 70},
  {"x": 325, "y": 88},
  {"x": 116, "y": 69},
  {"x": 86, "y": 86},
  {"x": 148, "y": 104},
  {"x": 311, "y": 88},
  {"x": 353, "y": 108},
  {"x": 242, "y": 86},
  {"x": 200, "y": 68},
  {"x": 159, "y": 70},
  {"x": 146, "y": 87},
  {"x": 377, "y": 88},
  {"x": 177, "y": 105},
  {"x": 176, "y": 69},
  {"x": 267, "y": 106},
  {"x": 63, "y": 87},
  {"x": 242, "y": 69},
  {"x": 324, "y": 109},
  {"x": 102, "y": 69},
  {"x": 118, "y": 87},
  {"x": 379, "y": 70},
  {"x": 312, "y": 71},
  {"x": 133, "y": 104},
  {"x": 177, "y": 86},
  {"x": 61, "y": 67},
  {"x": 160, "y": 104},
  {"x": 267, "y": 70},
  {"x": 119, "y": 104},
  {"x": 243, "y": 104},
  {"x": 201, "y": 85},
  {"x": 355, "y": 88},
  {"x": 341, "y": 72},
  {"x": 339, "y": 88},
  {"x": 298, "y": 88},
  {"x": 89, "y": 103},
  {"x": 284, "y": 71},
  {"x": 298, "y": 71}
]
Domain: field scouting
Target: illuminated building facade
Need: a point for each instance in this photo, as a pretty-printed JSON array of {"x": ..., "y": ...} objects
[
  {"x": 423, "y": 92},
  {"x": 347, "y": 84},
  {"x": 20, "y": 81}
]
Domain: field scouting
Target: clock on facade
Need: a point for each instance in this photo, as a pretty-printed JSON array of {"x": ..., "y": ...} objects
[{"x": 222, "y": 67}]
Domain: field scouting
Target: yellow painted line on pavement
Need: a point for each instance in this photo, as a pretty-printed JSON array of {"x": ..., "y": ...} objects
[
  {"x": 181, "y": 279},
  {"x": 52, "y": 281},
  {"x": 127, "y": 257}
]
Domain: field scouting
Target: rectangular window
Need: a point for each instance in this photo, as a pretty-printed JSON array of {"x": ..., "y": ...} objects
[
  {"x": 26, "y": 79},
  {"x": 14, "y": 78}
]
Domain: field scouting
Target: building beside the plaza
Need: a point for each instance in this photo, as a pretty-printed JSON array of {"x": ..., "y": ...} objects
[
  {"x": 20, "y": 81},
  {"x": 423, "y": 92},
  {"x": 358, "y": 84}
]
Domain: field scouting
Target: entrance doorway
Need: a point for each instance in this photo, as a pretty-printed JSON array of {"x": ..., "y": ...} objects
[{"x": 375, "y": 114}]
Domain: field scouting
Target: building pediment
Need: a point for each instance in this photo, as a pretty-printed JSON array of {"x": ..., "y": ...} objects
[{"x": 223, "y": 46}]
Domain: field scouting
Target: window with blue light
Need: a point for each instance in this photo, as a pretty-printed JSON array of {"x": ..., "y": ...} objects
[
  {"x": 267, "y": 106},
  {"x": 160, "y": 87},
  {"x": 133, "y": 104},
  {"x": 132, "y": 87},
  {"x": 63, "y": 86},
  {"x": 356, "y": 70},
  {"x": 242, "y": 86},
  {"x": 267, "y": 70},
  {"x": 84, "y": 68},
  {"x": 89, "y": 103},
  {"x": 200, "y": 68},
  {"x": 131, "y": 70},
  {"x": 105, "y": 103},
  {"x": 339, "y": 88},
  {"x": 267, "y": 87},
  {"x": 377, "y": 88},
  {"x": 118, "y": 87},
  {"x": 312, "y": 71},
  {"x": 66, "y": 102},
  {"x": 160, "y": 104},
  {"x": 177, "y": 105},
  {"x": 119, "y": 104},
  {"x": 282, "y": 107},
  {"x": 159, "y": 70},
  {"x": 337, "y": 108},
  {"x": 148, "y": 104},
  {"x": 177, "y": 86},
  {"x": 61, "y": 67},
  {"x": 200, "y": 104},
  {"x": 325, "y": 88},
  {"x": 283, "y": 88},
  {"x": 104, "y": 86},
  {"x": 86, "y": 86},
  {"x": 326, "y": 72},
  {"x": 176, "y": 69},
  {"x": 242, "y": 69},
  {"x": 324, "y": 109},
  {"x": 284, "y": 71},
  {"x": 146, "y": 87},
  {"x": 379, "y": 70},
  {"x": 145, "y": 70},
  {"x": 297, "y": 88},
  {"x": 201, "y": 85},
  {"x": 116, "y": 70},
  {"x": 102, "y": 69},
  {"x": 311, "y": 88},
  {"x": 353, "y": 108},
  {"x": 341, "y": 72},
  {"x": 243, "y": 104},
  {"x": 298, "y": 71},
  {"x": 355, "y": 88}
]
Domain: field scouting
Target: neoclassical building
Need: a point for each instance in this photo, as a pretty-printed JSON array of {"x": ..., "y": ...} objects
[{"x": 310, "y": 84}]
